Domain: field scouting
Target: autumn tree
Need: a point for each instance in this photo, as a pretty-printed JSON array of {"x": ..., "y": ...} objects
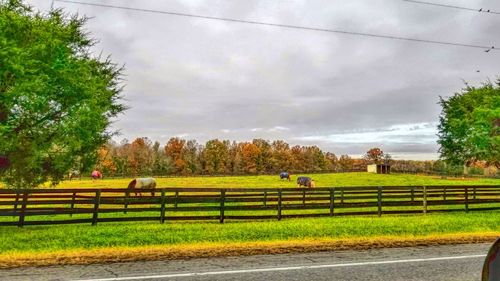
[
  {"x": 263, "y": 160},
  {"x": 298, "y": 159},
  {"x": 105, "y": 160},
  {"x": 374, "y": 155},
  {"x": 281, "y": 156},
  {"x": 215, "y": 156},
  {"x": 56, "y": 98},
  {"x": 140, "y": 160},
  {"x": 250, "y": 154},
  {"x": 175, "y": 150}
]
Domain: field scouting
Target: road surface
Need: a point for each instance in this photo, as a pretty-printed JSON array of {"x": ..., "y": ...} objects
[{"x": 458, "y": 262}]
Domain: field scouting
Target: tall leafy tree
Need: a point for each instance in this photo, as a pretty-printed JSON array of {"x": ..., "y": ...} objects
[
  {"x": 175, "y": 150},
  {"x": 140, "y": 157},
  {"x": 56, "y": 98},
  {"x": 374, "y": 155},
  {"x": 215, "y": 156},
  {"x": 190, "y": 153},
  {"x": 281, "y": 156},
  {"x": 263, "y": 161},
  {"x": 469, "y": 126},
  {"x": 346, "y": 162},
  {"x": 250, "y": 154}
]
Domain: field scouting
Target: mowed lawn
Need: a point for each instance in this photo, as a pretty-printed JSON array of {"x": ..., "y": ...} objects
[
  {"x": 32, "y": 239},
  {"x": 322, "y": 180}
]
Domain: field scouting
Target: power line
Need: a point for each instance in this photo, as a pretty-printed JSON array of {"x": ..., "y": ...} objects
[
  {"x": 480, "y": 10},
  {"x": 483, "y": 47}
]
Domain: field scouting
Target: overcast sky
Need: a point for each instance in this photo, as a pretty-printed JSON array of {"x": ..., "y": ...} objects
[{"x": 202, "y": 79}]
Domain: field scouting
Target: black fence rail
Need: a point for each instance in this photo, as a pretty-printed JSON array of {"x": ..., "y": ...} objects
[{"x": 68, "y": 206}]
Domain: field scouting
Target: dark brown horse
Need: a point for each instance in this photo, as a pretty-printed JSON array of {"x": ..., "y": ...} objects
[{"x": 305, "y": 181}]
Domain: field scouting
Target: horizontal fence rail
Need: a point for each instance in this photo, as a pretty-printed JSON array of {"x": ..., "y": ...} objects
[{"x": 87, "y": 205}]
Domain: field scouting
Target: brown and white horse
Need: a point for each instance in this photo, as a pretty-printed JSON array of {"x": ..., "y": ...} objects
[{"x": 142, "y": 183}]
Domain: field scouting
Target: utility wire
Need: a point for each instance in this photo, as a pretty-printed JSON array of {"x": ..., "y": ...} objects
[
  {"x": 483, "y": 47},
  {"x": 480, "y": 10}
]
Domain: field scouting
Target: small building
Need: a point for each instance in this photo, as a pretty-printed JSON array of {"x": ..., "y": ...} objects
[{"x": 379, "y": 168}]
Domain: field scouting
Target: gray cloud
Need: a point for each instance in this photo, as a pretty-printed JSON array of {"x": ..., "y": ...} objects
[{"x": 205, "y": 79}]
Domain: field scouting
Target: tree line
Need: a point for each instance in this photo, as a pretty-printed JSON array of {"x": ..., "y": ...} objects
[
  {"x": 180, "y": 157},
  {"x": 216, "y": 157}
]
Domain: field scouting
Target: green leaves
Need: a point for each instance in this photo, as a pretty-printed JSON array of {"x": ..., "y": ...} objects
[
  {"x": 468, "y": 129},
  {"x": 57, "y": 98}
]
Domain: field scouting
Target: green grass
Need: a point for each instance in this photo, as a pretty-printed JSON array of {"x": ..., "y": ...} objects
[
  {"x": 322, "y": 180},
  {"x": 46, "y": 239},
  {"x": 67, "y": 237}
]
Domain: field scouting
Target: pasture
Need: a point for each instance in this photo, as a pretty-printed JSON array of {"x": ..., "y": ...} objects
[
  {"x": 273, "y": 181},
  {"x": 35, "y": 240}
]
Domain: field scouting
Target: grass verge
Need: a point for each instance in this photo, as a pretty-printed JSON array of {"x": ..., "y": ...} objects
[
  {"x": 206, "y": 250},
  {"x": 111, "y": 242}
]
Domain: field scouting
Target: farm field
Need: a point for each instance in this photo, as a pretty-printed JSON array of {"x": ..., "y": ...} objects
[
  {"x": 32, "y": 241},
  {"x": 321, "y": 180}
]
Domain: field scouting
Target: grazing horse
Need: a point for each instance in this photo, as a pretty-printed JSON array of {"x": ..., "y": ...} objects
[
  {"x": 285, "y": 175},
  {"x": 73, "y": 174},
  {"x": 305, "y": 181},
  {"x": 96, "y": 175},
  {"x": 142, "y": 183}
]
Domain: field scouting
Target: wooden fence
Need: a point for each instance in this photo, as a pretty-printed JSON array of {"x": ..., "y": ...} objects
[{"x": 67, "y": 206}]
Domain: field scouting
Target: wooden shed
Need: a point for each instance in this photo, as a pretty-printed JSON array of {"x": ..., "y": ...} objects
[{"x": 379, "y": 168}]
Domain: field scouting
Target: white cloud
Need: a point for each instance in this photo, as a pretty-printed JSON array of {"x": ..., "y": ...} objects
[
  {"x": 417, "y": 133},
  {"x": 278, "y": 129}
]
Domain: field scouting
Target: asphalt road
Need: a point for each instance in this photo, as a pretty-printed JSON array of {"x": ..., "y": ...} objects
[{"x": 459, "y": 262}]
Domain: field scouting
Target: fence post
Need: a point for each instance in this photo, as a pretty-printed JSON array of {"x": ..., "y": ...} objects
[
  {"x": 444, "y": 194},
  {"x": 127, "y": 195},
  {"x": 16, "y": 202},
  {"x": 279, "y": 204},
  {"x": 222, "y": 200},
  {"x": 342, "y": 196},
  {"x": 466, "y": 199},
  {"x": 304, "y": 197},
  {"x": 332, "y": 201},
  {"x": 379, "y": 201},
  {"x": 424, "y": 199},
  {"x": 175, "y": 199},
  {"x": 474, "y": 193},
  {"x": 97, "y": 201},
  {"x": 265, "y": 198},
  {"x": 23, "y": 209},
  {"x": 162, "y": 208},
  {"x": 72, "y": 203},
  {"x": 412, "y": 194}
]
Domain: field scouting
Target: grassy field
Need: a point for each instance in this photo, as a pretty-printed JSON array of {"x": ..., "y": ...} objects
[
  {"x": 322, "y": 180},
  {"x": 32, "y": 241}
]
